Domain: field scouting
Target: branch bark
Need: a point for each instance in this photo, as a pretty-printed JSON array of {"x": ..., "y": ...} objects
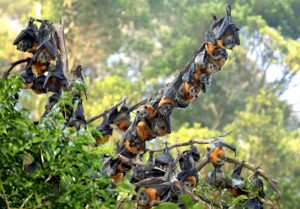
[{"x": 190, "y": 142}]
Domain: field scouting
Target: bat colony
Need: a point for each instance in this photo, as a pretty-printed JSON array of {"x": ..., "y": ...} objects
[{"x": 159, "y": 179}]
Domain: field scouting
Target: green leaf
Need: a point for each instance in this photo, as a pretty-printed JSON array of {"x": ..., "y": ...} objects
[
  {"x": 187, "y": 200},
  {"x": 167, "y": 205},
  {"x": 199, "y": 205}
]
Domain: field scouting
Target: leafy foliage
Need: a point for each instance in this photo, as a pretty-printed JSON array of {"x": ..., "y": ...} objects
[{"x": 47, "y": 165}]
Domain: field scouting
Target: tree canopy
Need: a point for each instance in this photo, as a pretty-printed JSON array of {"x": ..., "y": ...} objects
[{"x": 132, "y": 48}]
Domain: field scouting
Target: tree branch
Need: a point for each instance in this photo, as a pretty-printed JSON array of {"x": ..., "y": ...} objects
[{"x": 190, "y": 142}]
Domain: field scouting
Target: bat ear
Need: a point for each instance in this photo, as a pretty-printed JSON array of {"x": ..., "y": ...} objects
[
  {"x": 228, "y": 10},
  {"x": 214, "y": 17}
]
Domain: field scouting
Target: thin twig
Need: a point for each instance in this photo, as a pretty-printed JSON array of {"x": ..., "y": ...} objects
[
  {"x": 26, "y": 200},
  {"x": 4, "y": 196}
]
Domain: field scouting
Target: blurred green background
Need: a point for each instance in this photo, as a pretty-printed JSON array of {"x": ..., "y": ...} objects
[{"x": 134, "y": 47}]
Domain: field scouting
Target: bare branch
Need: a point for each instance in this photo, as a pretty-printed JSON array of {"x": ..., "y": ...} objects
[
  {"x": 25, "y": 201},
  {"x": 190, "y": 142}
]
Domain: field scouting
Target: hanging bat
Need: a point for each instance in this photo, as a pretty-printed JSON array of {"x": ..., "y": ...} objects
[
  {"x": 161, "y": 125},
  {"x": 189, "y": 158},
  {"x": 236, "y": 184},
  {"x": 56, "y": 79},
  {"x": 258, "y": 184},
  {"x": 141, "y": 128},
  {"x": 223, "y": 32},
  {"x": 165, "y": 159},
  {"x": 149, "y": 110},
  {"x": 78, "y": 118},
  {"x": 38, "y": 85},
  {"x": 121, "y": 118},
  {"x": 105, "y": 129},
  {"x": 118, "y": 169},
  {"x": 217, "y": 178},
  {"x": 189, "y": 174},
  {"x": 27, "y": 40},
  {"x": 217, "y": 152},
  {"x": 167, "y": 102}
]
